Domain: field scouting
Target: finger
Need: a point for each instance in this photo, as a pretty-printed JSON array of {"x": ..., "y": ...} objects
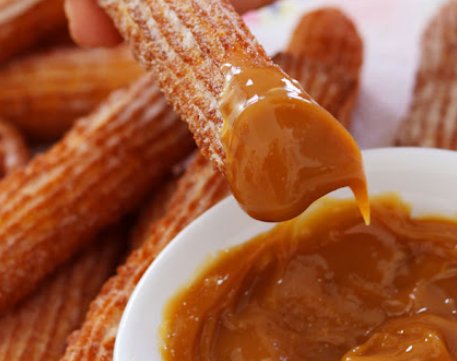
[{"x": 89, "y": 25}]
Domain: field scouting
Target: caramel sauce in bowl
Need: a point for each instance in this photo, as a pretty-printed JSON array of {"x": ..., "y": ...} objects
[{"x": 423, "y": 178}]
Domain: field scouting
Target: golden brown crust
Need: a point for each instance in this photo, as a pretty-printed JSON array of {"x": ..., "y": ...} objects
[
  {"x": 37, "y": 329},
  {"x": 199, "y": 189},
  {"x": 334, "y": 89},
  {"x": 100, "y": 170},
  {"x": 72, "y": 81},
  {"x": 184, "y": 43},
  {"x": 327, "y": 43},
  {"x": 432, "y": 117},
  {"x": 154, "y": 209},
  {"x": 24, "y": 23},
  {"x": 14, "y": 153},
  {"x": 329, "y": 37}
]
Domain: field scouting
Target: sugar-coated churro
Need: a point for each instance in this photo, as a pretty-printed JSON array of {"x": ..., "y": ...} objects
[
  {"x": 432, "y": 117},
  {"x": 154, "y": 209},
  {"x": 330, "y": 86},
  {"x": 24, "y": 23},
  {"x": 14, "y": 153},
  {"x": 327, "y": 41},
  {"x": 45, "y": 93},
  {"x": 199, "y": 189},
  {"x": 95, "y": 174},
  {"x": 37, "y": 329},
  {"x": 185, "y": 43}
]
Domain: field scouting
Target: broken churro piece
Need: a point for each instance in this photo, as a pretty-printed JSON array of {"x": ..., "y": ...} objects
[
  {"x": 14, "y": 153},
  {"x": 37, "y": 329},
  {"x": 24, "y": 23},
  {"x": 432, "y": 117},
  {"x": 44, "y": 94},
  {"x": 210, "y": 76},
  {"x": 199, "y": 189},
  {"x": 95, "y": 174}
]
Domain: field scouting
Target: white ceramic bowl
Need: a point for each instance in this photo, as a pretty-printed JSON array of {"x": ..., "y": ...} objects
[{"x": 425, "y": 178}]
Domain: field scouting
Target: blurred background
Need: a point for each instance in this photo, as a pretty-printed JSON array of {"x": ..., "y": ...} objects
[{"x": 391, "y": 31}]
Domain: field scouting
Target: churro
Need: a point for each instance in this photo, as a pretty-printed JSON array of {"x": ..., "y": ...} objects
[
  {"x": 199, "y": 189},
  {"x": 96, "y": 173},
  {"x": 154, "y": 209},
  {"x": 432, "y": 117},
  {"x": 14, "y": 153},
  {"x": 211, "y": 68},
  {"x": 328, "y": 36},
  {"x": 45, "y": 93},
  {"x": 330, "y": 86},
  {"x": 328, "y": 43},
  {"x": 24, "y": 23},
  {"x": 37, "y": 329},
  {"x": 72, "y": 82}
]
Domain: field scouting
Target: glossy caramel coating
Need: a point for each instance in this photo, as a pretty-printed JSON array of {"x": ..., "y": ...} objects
[
  {"x": 321, "y": 285},
  {"x": 177, "y": 41},
  {"x": 283, "y": 151}
]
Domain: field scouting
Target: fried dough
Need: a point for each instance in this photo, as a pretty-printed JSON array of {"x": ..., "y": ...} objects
[{"x": 432, "y": 118}]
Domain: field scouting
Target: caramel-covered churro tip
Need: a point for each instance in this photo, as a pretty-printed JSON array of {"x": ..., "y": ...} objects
[{"x": 197, "y": 49}]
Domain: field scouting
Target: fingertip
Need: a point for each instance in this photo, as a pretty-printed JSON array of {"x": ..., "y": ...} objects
[{"x": 89, "y": 24}]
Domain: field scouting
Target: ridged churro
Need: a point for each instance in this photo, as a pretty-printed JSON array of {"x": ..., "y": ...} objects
[
  {"x": 432, "y": 117},
  {"x": 154, "y": 209},
  {"x": 14, "y": 153},
  {"x": 37, "y": 329},
  {"x": 328, "y": 36},
  {"x": 327, "y": 41},
  {"x": 211, "y": 67},
  {"x": 185, "y": 43},
  {"x": 95, "y": 341},
  {"x": 334, "y": 89},
  {"x": 96, "y": 173},
  {"x": 199, "y": 189},
  {"x": 24, "y": 23},
  {"x": 45, "y": 93}
]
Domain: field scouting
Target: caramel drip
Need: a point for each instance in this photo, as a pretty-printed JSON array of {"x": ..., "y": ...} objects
[{"x": 283, "y": 151}]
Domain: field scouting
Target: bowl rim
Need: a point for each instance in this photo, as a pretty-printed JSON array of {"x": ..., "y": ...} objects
[{"x": 389, "y": 161}]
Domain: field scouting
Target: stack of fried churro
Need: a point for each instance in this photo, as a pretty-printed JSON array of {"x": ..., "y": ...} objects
[
  {"x": 107, "y": 190},
  {"x": 61, "y": 233}
]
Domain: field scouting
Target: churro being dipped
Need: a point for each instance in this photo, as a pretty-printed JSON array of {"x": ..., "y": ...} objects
[
  {"x": 37, "y": 329},
  {"x": 95, "y": 174},
  {"x": 72, "y": 82},
  {"x": 95, "y": 341},
  {"x": 199, "y": 189},
  {"x": 14, "y": 153},
  {"x": 220, "y": 80},
  {"x": 432, "y": 117},
  {"x": 24, "y": 23}
]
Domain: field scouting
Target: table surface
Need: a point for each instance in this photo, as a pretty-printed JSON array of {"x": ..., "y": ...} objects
[{"x": 391, "y": 31}]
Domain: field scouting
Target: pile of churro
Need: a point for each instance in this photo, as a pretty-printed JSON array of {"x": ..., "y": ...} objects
[{"x": 103, "y": 161}]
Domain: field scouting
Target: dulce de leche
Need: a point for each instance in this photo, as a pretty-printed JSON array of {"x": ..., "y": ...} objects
[
  {"x": 325, "y": 287},
  {"x": 283, "y": 151}
]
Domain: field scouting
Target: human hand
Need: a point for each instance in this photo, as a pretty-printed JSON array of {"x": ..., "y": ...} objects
[{"x": 91, "y": 27}]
